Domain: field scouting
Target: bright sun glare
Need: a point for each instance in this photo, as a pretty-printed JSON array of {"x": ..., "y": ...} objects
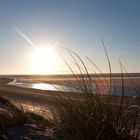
[{"x": 43, "y": 60}]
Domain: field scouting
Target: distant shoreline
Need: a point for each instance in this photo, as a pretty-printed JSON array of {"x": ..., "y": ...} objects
[{"x": 72, "y": 76}]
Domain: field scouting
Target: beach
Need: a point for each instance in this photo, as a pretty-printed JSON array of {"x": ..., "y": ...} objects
[
  {"x": 37, "y": 100},
  {"x": 49, "y": 103}
]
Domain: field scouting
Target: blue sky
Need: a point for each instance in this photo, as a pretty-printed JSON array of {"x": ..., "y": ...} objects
[{"x": 75, "y": 24}]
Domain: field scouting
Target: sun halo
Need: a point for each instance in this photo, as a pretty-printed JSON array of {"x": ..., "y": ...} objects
[{"x": 43, "y": 60}]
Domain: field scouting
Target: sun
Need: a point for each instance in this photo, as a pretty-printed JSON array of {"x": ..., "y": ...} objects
[{"x": 43, "y": 60}]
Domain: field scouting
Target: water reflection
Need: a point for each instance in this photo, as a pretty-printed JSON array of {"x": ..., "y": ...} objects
[
  {"x": 46, "y": 86},
  {"x": 43, "y": 86},
  {"x": 117, "y": 90}
]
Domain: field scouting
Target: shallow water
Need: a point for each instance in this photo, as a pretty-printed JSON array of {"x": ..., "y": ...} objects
[
  {"x": 117, "y": 90},
  {"x": 46, "y": 86}
]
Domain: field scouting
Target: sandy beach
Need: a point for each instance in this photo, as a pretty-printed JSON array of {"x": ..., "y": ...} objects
[
  {"x": 45, "y": 102},
  {"x": 34, "y": 99}
]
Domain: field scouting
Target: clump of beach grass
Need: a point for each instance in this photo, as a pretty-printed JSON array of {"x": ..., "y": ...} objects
[{"x": 98, "y": 114}]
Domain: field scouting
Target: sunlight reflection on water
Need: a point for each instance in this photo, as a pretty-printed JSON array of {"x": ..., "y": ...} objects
[
  {"x": 43, "y": 86},
  {"x": 117, "y": 90}
]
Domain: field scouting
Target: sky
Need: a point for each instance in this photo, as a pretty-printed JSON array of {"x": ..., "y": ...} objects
[{"x": 78, "y": 25}]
